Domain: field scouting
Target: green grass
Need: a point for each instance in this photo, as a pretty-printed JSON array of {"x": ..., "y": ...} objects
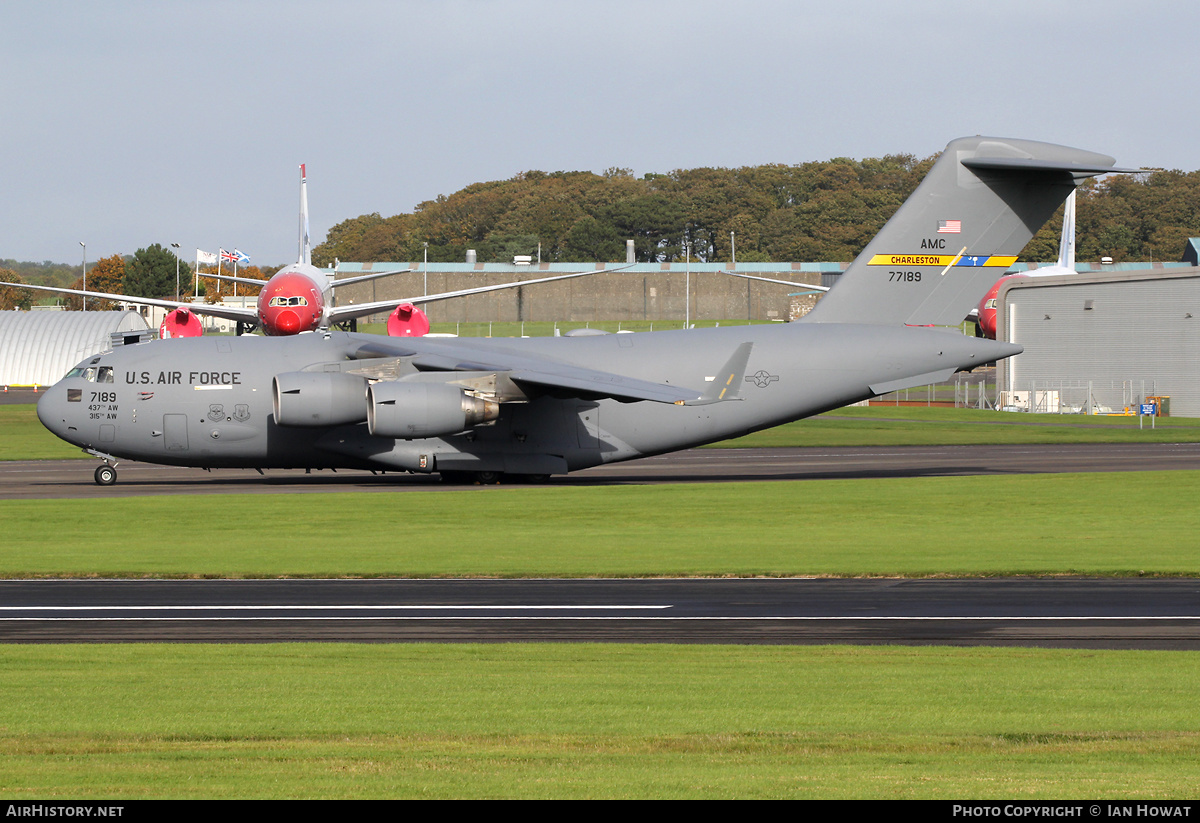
[
  {"x": 1097, "y": 524},
  {"x": 22, "y": 437},
  {"x": 595, "y": 720},
  {"x": 130, "y": 721},
  {"x": 884, "y": 425}
]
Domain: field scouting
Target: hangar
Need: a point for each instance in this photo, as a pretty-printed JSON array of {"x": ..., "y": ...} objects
[
  {"x": 1099, "y": 342},
  {"x": 38, "y": 347}
]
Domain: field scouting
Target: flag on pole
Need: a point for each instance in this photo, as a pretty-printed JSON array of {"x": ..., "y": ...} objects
[
  {"x": 205, "y": 258},
  {"x": 241, "y": 257},
  {"x": 228, "y": 256}
]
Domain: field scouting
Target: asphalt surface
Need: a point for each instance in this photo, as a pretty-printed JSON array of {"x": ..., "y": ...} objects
[
  {"x": 1063, "y": 613},
  {"x": 73, "y": 478}
]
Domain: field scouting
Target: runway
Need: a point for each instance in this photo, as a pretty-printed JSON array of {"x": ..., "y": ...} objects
[
  {"x": 1061, "y": 613},
  {"x": 73, "y": 478}
]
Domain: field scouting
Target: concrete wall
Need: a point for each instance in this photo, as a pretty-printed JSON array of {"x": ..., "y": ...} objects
[{"x": 647, "y": 292}]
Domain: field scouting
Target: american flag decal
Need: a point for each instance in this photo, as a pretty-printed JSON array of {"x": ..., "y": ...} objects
[{"x": 949, "y": 227}]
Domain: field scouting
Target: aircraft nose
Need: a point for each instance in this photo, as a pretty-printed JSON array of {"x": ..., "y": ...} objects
[
  {"x": 50, "y": 410},
  {"x": 287, "y": 322}
]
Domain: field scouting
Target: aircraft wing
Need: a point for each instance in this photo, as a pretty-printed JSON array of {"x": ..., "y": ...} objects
[
  {"x": 346, "y": 281},
  {"x": 805, "y": 287},
  {"x": 541, "y": 375},
  {"x": 211, "y": 310},
  {"x": 339, "y": 314},
  {"x": 249, "y": 281}
]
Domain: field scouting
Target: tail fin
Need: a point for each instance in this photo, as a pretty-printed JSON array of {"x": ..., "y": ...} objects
[
  {"x": 1066, "y": 246},
  {"x": 960, "y": 230},
  {"x": 305, "y": 252}
]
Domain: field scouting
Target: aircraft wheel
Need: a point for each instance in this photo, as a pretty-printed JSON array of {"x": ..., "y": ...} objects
[
  {"x": 105, "y": 475},
  {"x": 488, "y": 478}
]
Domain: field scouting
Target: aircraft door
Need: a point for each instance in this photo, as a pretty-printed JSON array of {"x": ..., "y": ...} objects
[{"x": 175, "y": 437}]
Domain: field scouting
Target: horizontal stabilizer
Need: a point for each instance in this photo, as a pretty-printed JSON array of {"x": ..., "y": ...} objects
[
  {"x": 1029, "y": 164},
  {"x": 915, "y": 380}
]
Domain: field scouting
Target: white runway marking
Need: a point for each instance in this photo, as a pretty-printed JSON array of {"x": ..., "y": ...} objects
[{"x": 465, "y": 607}]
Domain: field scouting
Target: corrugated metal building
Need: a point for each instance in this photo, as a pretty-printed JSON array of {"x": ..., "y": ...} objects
[
  {"x": 38, "y": 347},
  {"x": 1104, "y": 340}
]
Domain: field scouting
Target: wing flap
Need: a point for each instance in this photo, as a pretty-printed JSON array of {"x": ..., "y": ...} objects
[{"x": 589, "y": 384}]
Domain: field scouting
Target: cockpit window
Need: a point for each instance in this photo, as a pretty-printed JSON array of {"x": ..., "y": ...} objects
[
  {"x": 288, "y": 301},
  {"x": 93, "y": 374}
]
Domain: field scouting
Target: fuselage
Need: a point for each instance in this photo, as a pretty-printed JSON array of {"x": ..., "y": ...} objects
[
  {"x": 294, "y": 300},
  {"x": 207, "y": 402}
]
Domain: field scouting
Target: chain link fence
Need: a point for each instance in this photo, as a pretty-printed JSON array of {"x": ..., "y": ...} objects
[{"x": 978, "y": 390}]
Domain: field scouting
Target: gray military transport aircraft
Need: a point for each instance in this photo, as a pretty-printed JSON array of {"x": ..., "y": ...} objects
[{"x": 488, "y": 410}]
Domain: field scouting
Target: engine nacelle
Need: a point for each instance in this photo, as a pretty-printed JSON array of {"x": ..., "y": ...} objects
[
  {"x": 406, "y": 320},
  {"x": 413, "y": 410},
  {"x": 180, "y": 323},
  {"x": 302, "y": 398}
]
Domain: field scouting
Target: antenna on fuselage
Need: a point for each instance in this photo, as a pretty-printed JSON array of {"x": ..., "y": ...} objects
[{"x": 305, "y": 253}]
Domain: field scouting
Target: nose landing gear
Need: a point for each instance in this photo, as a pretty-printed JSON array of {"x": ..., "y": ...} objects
[{"x": 106, "y": 472}]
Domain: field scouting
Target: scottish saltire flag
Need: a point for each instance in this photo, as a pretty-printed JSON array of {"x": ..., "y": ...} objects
[{"x": 241, "y": 257}]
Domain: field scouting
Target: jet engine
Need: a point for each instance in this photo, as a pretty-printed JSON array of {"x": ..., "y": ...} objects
[
  {"x": 413, "y": 410},
  {"x": 180, "y": 323},
  {"x": 406, "y": 320},
  {"x": 304, "y": 398}
]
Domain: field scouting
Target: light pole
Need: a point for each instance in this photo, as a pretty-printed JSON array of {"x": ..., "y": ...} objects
[
  {"x": 84, "y": 273},
  {"x": 426, "y": 268},
  {"x": 687, "y": 289},
  {"x": 176, "y": 253}
]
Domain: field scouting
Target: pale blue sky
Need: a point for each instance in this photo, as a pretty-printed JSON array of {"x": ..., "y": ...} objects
[{"x": 131, "y": 122}]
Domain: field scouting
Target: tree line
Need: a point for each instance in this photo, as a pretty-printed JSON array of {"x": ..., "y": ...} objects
[
  {"x": 820, "y": 211},
  {"x": 149, "y": 272}
]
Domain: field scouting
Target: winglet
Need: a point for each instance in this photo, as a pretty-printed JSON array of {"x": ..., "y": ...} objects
[
  {"x": 728, "y": 382},
  {"x": 1066, "y": 246}
]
